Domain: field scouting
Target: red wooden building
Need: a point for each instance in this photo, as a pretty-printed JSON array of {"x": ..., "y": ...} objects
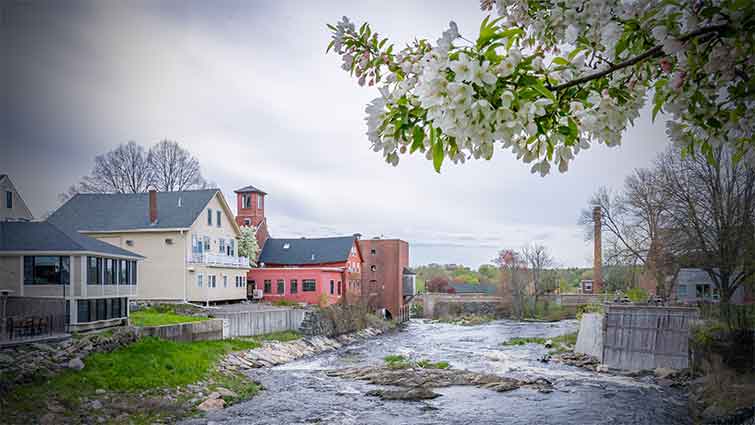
[{"x": 311, "y": 270}]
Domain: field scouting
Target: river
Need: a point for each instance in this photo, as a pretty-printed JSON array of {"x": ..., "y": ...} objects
[{"x": 301, "y": 393}]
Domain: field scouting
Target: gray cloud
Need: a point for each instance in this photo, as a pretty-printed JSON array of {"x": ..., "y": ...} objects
[{"x": 247, "y": 88}]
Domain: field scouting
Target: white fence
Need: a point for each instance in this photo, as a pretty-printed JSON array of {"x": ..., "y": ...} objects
[
  {"x": 250, "y": 323},
  {"x": 220, "y": 260}
]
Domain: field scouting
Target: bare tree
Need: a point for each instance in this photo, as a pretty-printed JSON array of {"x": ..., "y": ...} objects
[
  {"x": 712, "y": 210},
  {"x": 634, "y": 223},
  {"x": 124, "y": 169},
  {"x": 174, "y": 168},
  {"x": 513, "y": 280},
  {"x": 538, "y": 258}
]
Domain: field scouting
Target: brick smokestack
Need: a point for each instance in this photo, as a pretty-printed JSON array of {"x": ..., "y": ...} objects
[
  {"x": 152, "y": 206},
  {"x": 597, "y": 268}
]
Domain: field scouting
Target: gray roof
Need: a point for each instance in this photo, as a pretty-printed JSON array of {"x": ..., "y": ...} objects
[
  {"x": 44, "y": 236},
  {"x": 306, "y": 250},
  {"x": 248, "y": 189},
  {"x": 130, "y": 211},
  {"x": 691, "y": 276},
  {"x": 473, "y": 288}
]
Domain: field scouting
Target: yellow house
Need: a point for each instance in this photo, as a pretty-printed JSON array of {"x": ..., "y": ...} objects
[{"x": 188, "y": 239}]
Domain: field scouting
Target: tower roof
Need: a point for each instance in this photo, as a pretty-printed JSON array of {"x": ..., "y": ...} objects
[{"x": 249, "y": 189}]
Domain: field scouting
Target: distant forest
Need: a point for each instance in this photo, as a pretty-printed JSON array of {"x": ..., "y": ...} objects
[{"x": 566, "y": 279}]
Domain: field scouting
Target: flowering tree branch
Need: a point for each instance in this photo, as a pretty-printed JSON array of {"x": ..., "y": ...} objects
[
  {"x": 655, "y": 51},
  {"x": 529, "y": 84}
]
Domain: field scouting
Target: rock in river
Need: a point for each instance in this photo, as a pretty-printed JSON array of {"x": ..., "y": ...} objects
[{"x": 406, "y": 394}]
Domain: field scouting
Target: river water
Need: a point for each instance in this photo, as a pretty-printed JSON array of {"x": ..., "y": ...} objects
[{"x": 301, "y": 393}]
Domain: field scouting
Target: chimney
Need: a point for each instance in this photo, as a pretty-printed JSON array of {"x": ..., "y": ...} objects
[
  {"x": 152, "y": 206},
  {"x": 357, "y": 236},
  {"x": 597, "y": 271}
]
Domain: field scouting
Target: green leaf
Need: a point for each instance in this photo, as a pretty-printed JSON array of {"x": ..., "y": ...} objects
[
  {"x": 540, "y": 87},
  {"x": 574, "y": 53},
  {"x": 560, "y": 61},
  {"x": 418, "y": 135},
  {"x": 438, "y": 154}
]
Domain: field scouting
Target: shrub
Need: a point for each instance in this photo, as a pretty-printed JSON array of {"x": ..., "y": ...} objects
[{"x": 638, "y": 295}]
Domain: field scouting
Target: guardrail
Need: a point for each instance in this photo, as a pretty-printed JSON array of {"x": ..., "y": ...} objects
[{"x": 218, "y": 260}]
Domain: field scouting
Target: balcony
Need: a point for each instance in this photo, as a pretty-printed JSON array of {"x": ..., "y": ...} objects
[{"x": 218, "y": 260}]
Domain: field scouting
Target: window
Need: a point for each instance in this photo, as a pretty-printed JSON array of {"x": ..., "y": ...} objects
[
  {"x": 9, "y": 199},
  {"x": 309, "y": 285},
  {"x": 681, "y": 290},
  {"x": 209, "y": 216},
  {"x": 259, "y": 201},
  {"x": 94, "y": 267},
  {"x": 286, "y": 245},
  {"x": 212, "y": 281},
  {"x": 232, "y": 247},
  {"x": 246, "y": 201},
  {"x": 82, "y": 311},
  {"x": 294, "y": 286},
  {"x": 339, "y": 287},
  {"x": 217, "y": 218},
  {"x": 123, "y": 273},
  {"x": 247, "y": 222},
  {"x": 281, "y": 286},
  {"x": 47, "y": 270},
  {"x": 254, "y": 284},
  {"x": 373, "y": 251},
  {"x": 373, "y": 268},
  {"x": 206, "y": 240},
  {"x": 225, "y": 281},
  {"x": 108, "y": 274},
  {"x": 221, "y": 245},
  {"x": 268, "y": 286},
  {"x": 332, "y": 287},
  {"x": 200, "y": 279}
]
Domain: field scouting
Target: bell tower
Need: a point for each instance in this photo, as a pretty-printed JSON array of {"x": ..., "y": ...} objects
[{"x": 250, "y": 206}]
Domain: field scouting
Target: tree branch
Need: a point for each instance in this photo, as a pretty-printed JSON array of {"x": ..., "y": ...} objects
[{"x": 652, "y": 52}]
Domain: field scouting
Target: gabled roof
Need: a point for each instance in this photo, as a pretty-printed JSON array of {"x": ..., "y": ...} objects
[
  {"x": 104, "y": 212},
  {"x": 692, "y": 276},
  {"x": 306, "y": 250},
  {"x": 18, "y": 236},
  {"x": 249, "y": 189}
]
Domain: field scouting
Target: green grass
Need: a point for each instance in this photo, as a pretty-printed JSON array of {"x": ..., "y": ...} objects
[
  {"x": 394, "y": 358},
  {"x": 282, "y": 336},
  {"x": 524, "y": 341},
  {"x": 146, "y": 365},
  {"x": 560, "y": 343},
  {"x": 154, "y": 317},
  {"x": 427, "y": 364}
]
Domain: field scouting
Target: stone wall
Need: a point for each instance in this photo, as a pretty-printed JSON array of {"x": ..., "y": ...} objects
[
  {"x": 337, "y": 320},
  {"x": 436, "y": 305},
  {"x": 590, "y": 336}
]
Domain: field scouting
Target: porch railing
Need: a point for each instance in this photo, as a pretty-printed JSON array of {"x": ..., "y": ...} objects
[{"x": 221, "y": 260}]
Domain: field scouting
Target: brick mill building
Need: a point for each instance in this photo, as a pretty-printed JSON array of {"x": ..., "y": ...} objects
[
  {"x": 388, "y": 281},
  {"x": 310, "y": 270}
]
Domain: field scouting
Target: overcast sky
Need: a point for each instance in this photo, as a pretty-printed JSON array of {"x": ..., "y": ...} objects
[{"x": 247, "y": 88}]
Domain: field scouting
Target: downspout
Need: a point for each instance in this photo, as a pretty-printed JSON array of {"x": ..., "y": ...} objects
[{"x": 186, "y": 267}]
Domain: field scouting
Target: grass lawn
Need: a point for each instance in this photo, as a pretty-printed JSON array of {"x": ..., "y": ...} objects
[
  {"x": 154, "y": 317},
  {"x": 148, "y": 364}
]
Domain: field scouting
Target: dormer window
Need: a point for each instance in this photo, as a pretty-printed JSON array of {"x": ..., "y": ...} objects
[
  {"x": 9, "y": 199},
  {"x": 217, "y": 218},
  {"x": 209, "y": 216}
]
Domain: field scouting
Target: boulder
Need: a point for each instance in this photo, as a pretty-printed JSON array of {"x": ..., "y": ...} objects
[
  {"x": 225, "y": 392},
  {"x": 211, "y": 404},
  {"x": 405, "y": 394},
  {"x": 76, "y": 364},
  {"x": 664, "y": 372}
]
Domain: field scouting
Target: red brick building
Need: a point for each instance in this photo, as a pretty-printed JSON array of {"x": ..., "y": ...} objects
[
  {"x": 388, "y": 281},
  {"x": 310, "y": 270}
]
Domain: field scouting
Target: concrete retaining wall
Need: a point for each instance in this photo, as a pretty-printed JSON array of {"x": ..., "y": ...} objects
[
  {"x": 261, "y": 322},
  {"x": 573, "y": 299},
  {"x": 590, "y": 337},
  {"x": 208, "y": 330}
]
